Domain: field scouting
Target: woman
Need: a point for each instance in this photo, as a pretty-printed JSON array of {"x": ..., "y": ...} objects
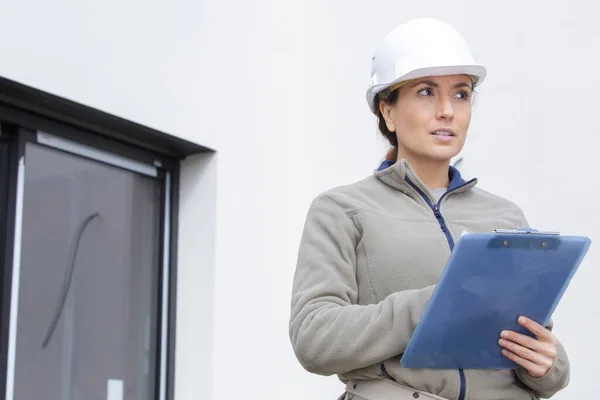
[{"x": 372, "y": 251}]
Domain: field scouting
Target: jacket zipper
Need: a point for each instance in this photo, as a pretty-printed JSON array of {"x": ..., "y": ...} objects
[{"x": 438, "y": 215}]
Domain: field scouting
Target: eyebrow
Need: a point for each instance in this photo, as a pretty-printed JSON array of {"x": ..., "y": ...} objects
[{"x": 434, "y": 84}]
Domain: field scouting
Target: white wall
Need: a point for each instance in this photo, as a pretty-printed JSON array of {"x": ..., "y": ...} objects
[{"x": 278, "y": 88}]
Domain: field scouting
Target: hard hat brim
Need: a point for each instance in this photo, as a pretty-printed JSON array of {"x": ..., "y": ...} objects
[{"x": 478, "y": 72}]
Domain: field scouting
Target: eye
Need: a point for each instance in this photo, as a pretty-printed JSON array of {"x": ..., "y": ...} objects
[
  {"x": 463, "y": 95},
  {"x": 426, "y": 92}
]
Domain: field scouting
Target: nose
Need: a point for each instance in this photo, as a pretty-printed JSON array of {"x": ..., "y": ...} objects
[{"x": 445, "y": 110}]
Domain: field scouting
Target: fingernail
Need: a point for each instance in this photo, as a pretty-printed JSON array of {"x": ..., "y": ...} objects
[
  {"x": 501, "y": 342},
  {"x": 504, "y": 334},
  {"x": 522, "y": 320}
]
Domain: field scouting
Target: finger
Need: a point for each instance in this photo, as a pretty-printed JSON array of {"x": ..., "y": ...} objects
[
  {"x": 527, "y": 354},
  {"x": 538, "y": 330},
  {"x": 546, "y": 348},
  {"x": 532, "y": 368}
]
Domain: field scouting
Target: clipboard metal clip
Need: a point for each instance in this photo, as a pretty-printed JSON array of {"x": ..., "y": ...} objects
[{"x": 527, "y": 231}]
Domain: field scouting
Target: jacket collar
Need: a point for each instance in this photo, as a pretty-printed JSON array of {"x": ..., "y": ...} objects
[{"x": 400, "y": 175}]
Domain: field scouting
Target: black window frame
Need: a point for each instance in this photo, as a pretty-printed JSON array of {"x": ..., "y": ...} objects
[{"x": 25, "y": 111}]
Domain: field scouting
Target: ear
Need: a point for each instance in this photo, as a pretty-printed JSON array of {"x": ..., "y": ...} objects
[{"x": 387, "y": 112}]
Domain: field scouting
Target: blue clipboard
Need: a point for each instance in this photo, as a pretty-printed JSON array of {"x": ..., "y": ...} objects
[{"x": 489, "y": 281}]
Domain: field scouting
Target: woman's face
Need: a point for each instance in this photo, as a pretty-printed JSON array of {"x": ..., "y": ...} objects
[{"x": 431, "y": 117}]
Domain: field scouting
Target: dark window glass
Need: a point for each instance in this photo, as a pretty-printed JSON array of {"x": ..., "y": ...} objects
[{"x": 88, "y": 290}]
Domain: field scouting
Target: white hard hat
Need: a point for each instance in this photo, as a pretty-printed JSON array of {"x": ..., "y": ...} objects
[{"x": 420, "y": 48}]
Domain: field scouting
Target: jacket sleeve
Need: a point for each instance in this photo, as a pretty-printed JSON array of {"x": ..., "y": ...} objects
[
  {"x": 330, "y": 333},
  {"x": 557, "y": 378}
]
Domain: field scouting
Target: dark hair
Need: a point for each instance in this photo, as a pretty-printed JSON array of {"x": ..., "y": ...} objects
[{"x": 391, "y": 99}]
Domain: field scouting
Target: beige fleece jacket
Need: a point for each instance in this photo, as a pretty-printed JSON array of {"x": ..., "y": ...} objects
[{"x": 370, "y": 255}]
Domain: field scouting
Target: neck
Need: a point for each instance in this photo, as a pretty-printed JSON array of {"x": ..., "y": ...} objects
[{"x": 433, "y": 174}]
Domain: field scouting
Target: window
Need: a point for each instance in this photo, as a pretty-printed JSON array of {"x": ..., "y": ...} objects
[
  {"x": 4, "y": 183},
  {"x": 88, "y": 218}
]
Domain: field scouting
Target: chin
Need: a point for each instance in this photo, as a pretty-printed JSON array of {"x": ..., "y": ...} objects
[{"x": 443, "y": 156}]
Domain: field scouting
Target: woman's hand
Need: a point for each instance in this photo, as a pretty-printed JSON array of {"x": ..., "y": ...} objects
[{"x": 535, "y": 355}]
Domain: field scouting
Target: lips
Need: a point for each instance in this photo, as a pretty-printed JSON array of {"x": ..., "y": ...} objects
[{"x": 443, "y": 132}]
